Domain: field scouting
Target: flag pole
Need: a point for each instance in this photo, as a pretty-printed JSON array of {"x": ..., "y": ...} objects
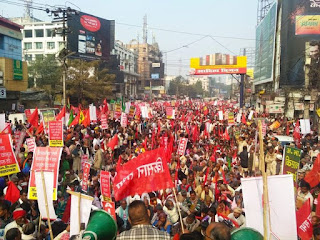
[
  {"x": 265, "y": 185},
  {"x": 79, "y": 210},
  {"x": 175, "y": 196},
  {"x": 46, "y": 203}
]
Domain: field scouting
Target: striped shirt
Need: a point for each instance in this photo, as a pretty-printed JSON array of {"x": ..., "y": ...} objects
[{"x": 143, "y": 232}]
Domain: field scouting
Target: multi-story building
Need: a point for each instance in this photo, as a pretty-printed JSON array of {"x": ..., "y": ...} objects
[
  {"x": 150, "y": 68},
  {"x": 39, "y": 38},
  {"x": 13, "y": 71},
  {"x": 129, "y": 66},
  {"x": 203, "y": 79}
]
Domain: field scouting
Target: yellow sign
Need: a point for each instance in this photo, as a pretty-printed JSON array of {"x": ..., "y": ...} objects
[
  {"x": 318, "y": 112},
  {"x": 308, "y": 25},
  {"x": 218, "y": 64},
  {"x": 250, "y": 73}
]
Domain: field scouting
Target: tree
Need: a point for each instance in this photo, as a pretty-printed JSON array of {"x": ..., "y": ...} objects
[
  {"x": 88, "y": 82},
  {"x": 47, "y": 72}
]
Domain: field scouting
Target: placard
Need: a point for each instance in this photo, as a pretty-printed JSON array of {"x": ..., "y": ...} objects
[
  {"x": 231, "y": 119},
  {"x": 182, "y": 146},
  {"x": 220, "y": 115},
  {"x": 170, "y": 113},
  {"x": 104, "y": 121},
  {"x": 84, "y": 159},
  {"x": 132, "y": 111},
  {"x": 124, "y": 120},
  {"x": 105, "y": 185},
  {"x": 290, "y": 161},
  {"x": 110, "y": 208},
  {"x": 8, "y": 161},
  {"x": 85, "y": 177},
  {"x": 55, "y": 134},
  {"x": 31, "y": 144},
  {"x": 45, "y": 159}
]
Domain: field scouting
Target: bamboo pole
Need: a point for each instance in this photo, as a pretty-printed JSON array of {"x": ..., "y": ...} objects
[
  {"x": 175, "y": 196},
  {"x": 46, "y": 203},
  {"x": 79, "y": 210},
  {"x": 265, "y": 185}
]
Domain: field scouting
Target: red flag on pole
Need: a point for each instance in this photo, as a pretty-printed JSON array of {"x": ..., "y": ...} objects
[
  {"x": 304, "y": 221},
  {"x": 114, "y": 142},
  {"x": 61, "y": 114},
  {"x": 313, "y": 177},
  {"x": 146, "y": 173},
  {"x": 39, "y": 129},
  {"x": 13, "y": 193},
  {"x": 75, "y": 120},
  {"x": 33, "y": 120},
  {"x": 243, "y": 119},
  {"x": 86, "y": 121},
  {"x": 226, "y": 135}
]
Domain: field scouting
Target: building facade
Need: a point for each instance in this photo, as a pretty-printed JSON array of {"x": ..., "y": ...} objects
[
  {"x": 203, "y": 79},
  {"x": 150, "y": 68},
  {"x": 129, "y": 66},
  {"x": 39, "y": 38},
  {"x": 13, "y": 71}
]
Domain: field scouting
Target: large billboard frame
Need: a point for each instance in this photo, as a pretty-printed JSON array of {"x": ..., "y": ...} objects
[{"x": 90, "y": 37}]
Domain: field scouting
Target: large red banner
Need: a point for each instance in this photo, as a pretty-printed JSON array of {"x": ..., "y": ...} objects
[
  {"x": 146, "y": 173},
  {"x": 182, "y": 146},
  {"x": 8, "y": 161},
  {"x": 55, "y": 134},
  {"x": 105, "y": 185},
  {"x": 85, "y": 177},
  {"x": 304, "y": 221},
  {"x": 44, "y": 159},
  {"x": 219, "y": 71}
]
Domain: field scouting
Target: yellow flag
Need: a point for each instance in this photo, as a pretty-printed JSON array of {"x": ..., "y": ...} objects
[
  {"x": 81, "y": 118},
  {"x": 318, "y": 112}
]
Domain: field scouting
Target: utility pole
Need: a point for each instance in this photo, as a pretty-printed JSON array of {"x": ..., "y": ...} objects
[
  {"x": 62, "y": 15},
  {"x": 242, "y": 84}
]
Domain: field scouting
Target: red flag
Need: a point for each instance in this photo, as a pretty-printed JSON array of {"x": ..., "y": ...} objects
[
  {"x": 146, "y": 173},
  {"x": 33, "y": 120},
  {"x": 61, "y": 114},
  {"x": 243, "y": 119},
  {"x": 226, "y": 135},
  {"x": 288, "y": 129},
  {"x": 296, "y": 134},
  {"x": 144, "y": 144},
  {"x": 7, "y": 129},
  {"x": 75, "y": 120},
  {"x": 105, "y": 106},
  {"x": 313, "y": 177},
  {"x": 114, "y": 142},
  {"x": 39, "y": 129},
  {"x": 66, "y": 214},
  {"x": 13, "y": 193},
  {"x": 86, "y": 121},
  {"x": 304, "y": 221}
]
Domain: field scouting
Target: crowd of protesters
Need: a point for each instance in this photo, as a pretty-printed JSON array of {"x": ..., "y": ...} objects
[{"x": 207, "y": 178}]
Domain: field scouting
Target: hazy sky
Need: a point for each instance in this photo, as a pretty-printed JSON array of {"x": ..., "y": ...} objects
[{"x": 218, "y": 18}]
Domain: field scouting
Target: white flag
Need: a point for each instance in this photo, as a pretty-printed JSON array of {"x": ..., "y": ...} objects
[
  {"x": 281, "y": 205},
  {"x": 93, "y": 113},
  {"x": 85, "y": 209},
  {"x": 48, "y": 181}
]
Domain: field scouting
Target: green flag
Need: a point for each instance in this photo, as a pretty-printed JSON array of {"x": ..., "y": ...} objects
[
  {"x": 123, "y": 105},
  {"x": 71, "y": 117}
]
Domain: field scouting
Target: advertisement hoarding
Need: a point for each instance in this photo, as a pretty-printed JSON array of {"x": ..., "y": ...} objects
[
  {"x": 91, "y": 37},
  {"x": 300, "y": 43},
  {"x": 218, "y": 64},
  {"x": 265, "y": 45}
]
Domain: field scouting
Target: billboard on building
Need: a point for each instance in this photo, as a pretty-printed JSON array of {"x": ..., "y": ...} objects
[
  {"x": 265, "y": 45},
  {"x": 218, "y": 64},
  {"x": 300, "y": 40},
  {"x": 91, "y": 37}
]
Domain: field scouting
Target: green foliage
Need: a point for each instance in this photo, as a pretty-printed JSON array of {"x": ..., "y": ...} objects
[
  {"x": 88, "y": 82},
  {"x": 179, "y": 87}
]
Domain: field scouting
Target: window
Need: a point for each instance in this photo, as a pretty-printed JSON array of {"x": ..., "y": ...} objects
[
  {"x": 39, "y": 45},
  {"x": 28, "y": 57},
  {"x": 28, "y": 33},
  {"x": 51, "y": 33},
  {"x": 27, "y": 45},
  {"x": 39, "y": 32},
  {"x": 39, "y": 57},
  {"x": 50, "y": 45}
]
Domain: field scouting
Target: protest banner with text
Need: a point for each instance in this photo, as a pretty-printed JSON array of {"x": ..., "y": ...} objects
[
  {"x": 55, "y": 134},
  {"x": 105, "y": 185},
  {"x": 290, "y": 161},
  {"x": 8, "y": 162}
]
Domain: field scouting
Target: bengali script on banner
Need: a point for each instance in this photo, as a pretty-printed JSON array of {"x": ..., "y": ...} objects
[
  {"x": 8, "y": 161},
  {"x": 146, "y": 173},
  {"x": 291, "y": 160},
  {"x": 44, "y": 159},
  {"x": 55, "y": 134}
]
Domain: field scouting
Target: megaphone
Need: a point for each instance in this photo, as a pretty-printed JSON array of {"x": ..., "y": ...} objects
[
  {"x": 101, "y": 226},
  {"x": 246, "y": 234}
]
